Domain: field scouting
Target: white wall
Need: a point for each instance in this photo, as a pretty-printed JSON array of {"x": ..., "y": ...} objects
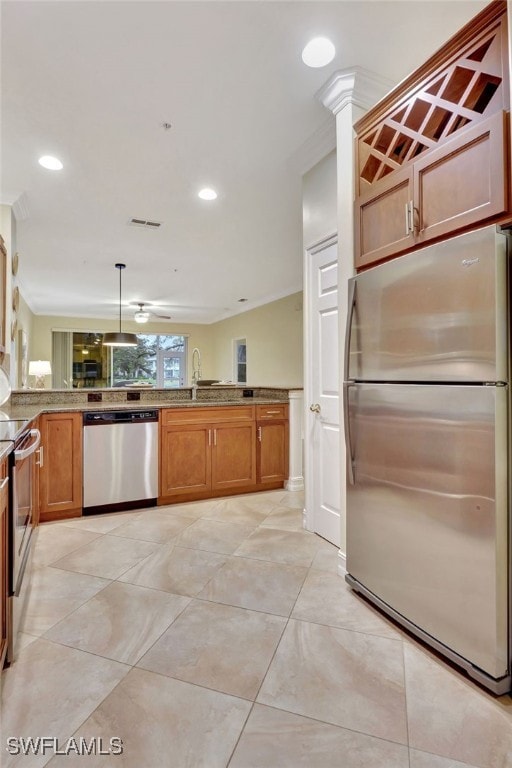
[
  {"x": 40, "y": 340},
  {"x": 273, "y": 332},
  {"x": 319, "y": 210},
  {"x": 274, "y": 343},
  {"x": 25, "y": 324},
  {"x": 8, "y": 232}
]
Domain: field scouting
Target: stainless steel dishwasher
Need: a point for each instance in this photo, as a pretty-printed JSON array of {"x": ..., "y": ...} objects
[{"x": 120, "y": 460}]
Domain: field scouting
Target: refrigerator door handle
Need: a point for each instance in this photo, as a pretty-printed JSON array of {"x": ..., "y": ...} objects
[
  {"x": 348, "y": 329},
  {"x": 346, "y": 430}
]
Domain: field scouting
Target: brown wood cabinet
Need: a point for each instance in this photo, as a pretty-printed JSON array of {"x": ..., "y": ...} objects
[
  {"x": 433, "y": 156},
  {"x": 4, "y": 517},
  {"x": 233, "y": 455},
  {"x": 60, "y": 466},
  {"x": 185, "y": 460},
  {"x": 214, "y": 451},
  {"x": 450, "y": 188},
  {"x": 205, "y": 451},
  {"x": 3, "y": 299},
  {"x": 273, "y": 442}
]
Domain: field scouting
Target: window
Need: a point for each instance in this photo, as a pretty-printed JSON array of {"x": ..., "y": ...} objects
[
  {"x": 81, "y": 360},
  {"x": 240, "y": 361},
  {"x": 157, "y": 360}
]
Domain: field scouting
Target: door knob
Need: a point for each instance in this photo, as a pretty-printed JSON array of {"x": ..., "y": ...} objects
[{"x": 315, "y": 408}]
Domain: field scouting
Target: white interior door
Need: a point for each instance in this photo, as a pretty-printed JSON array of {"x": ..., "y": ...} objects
[
  {"x": 170, "y": 368},
  {"x": 322, "y": 398}
]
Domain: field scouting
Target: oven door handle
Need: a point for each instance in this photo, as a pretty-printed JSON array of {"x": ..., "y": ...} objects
[
  {"x": 23, "y": 567},
  {"x": 24, "y": 452}
]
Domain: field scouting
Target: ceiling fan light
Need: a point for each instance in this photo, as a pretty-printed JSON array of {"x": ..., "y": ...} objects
[{"x": 141, "y": 317}]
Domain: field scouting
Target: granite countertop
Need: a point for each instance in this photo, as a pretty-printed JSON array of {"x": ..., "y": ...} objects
[{"x": 32, "y": 411}]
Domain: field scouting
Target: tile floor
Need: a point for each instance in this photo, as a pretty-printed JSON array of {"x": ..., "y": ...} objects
[{"x": 219, "y": 633}]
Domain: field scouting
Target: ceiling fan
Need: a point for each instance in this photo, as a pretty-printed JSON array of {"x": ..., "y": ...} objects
[{"x": 143, "y": 314}]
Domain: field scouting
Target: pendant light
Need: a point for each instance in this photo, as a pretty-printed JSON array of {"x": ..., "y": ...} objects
[{"x": 120, "y": 339}]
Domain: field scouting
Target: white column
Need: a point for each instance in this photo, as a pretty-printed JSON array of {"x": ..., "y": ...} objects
[
  {"x": 348, "y": 94},
  {"x": 295, "y": 480}
]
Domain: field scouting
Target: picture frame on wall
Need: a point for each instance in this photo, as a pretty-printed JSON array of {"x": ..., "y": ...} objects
[{"x": 22, "y": 359}]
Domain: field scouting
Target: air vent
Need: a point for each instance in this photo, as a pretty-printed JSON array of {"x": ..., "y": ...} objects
[{"x": 145, "y": 223}]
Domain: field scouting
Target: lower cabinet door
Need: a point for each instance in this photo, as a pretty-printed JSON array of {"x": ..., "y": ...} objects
[
  {"x": 233, "y": 455},
  {"x": 60, "y": 466},
  {"x": 272, "y": 459},
  {"x": 186, "y": 464}
]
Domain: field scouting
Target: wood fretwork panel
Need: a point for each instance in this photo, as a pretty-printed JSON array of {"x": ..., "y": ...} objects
[{"x": 468, "y": 89}]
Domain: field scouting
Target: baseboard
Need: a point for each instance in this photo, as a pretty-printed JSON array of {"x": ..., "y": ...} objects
[
  {"x": 181, "y": 498},
  {"x": 305, "y": 520},
  {"x": 342, "y": 563},
  {"x": 52, "y": 515},
  {"x": 294, "y": 484}
]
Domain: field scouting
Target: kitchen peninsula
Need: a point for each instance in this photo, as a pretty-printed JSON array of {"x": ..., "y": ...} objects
[{"x": 236, "y": 439}]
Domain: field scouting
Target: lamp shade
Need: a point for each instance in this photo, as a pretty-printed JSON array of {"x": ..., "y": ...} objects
[
  {"x": 39, "y": 369},
  {"x": 119, "y": 339}
]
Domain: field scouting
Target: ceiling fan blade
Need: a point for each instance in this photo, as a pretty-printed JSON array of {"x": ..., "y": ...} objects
[{"x": 163, "y": 317}]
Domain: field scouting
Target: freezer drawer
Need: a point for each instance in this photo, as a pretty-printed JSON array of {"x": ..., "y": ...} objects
[
  {"x": 438, "y": 314},
  {"x": 427, "y": 527}
]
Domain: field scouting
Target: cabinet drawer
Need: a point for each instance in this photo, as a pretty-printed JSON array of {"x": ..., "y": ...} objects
[
  {"x": 266, "y": 412},
  {"x": 212, "y": 415}
]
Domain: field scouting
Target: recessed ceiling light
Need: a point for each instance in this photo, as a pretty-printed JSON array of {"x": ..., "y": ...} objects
[
  {"x": 207, "y": 194},
  {"x": 318, "y": 52},
  {"x": 51, "y": 163}
]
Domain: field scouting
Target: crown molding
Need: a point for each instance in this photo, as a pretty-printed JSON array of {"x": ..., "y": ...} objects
[
  {"x": 20, "y": 208},
  {"x": 356, "y": 85},
  {"x": 315, "y": 148}
]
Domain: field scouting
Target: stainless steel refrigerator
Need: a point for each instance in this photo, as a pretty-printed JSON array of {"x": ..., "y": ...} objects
[{"x": 427, "y": 428}]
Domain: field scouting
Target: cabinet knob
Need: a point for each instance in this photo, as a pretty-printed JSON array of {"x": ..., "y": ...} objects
[{"x": 315, "y": 408}]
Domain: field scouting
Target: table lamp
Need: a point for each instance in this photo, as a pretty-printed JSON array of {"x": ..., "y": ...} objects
[{"x": 39, "y": 369}]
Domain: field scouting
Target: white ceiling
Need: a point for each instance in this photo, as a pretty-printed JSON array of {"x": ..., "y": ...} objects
[{"x": 93, "y": 82}]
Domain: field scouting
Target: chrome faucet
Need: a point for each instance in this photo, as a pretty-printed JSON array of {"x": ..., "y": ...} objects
[{"x": 196, "y": 371}]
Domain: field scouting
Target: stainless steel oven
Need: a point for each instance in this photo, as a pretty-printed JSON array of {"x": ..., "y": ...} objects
[
  {"x": 22, "y": 503},
  {"x": 21, "y": 519}
]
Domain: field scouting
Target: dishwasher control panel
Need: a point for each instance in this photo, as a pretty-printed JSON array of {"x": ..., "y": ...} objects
[{"x": 93, "y": 418}]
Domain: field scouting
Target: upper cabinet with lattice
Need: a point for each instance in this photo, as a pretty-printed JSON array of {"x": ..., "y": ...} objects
[
  {"x": 432, "y": 156},
  {"x": 461, "y": 84},
  {"x": 438, "y": 100}
]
